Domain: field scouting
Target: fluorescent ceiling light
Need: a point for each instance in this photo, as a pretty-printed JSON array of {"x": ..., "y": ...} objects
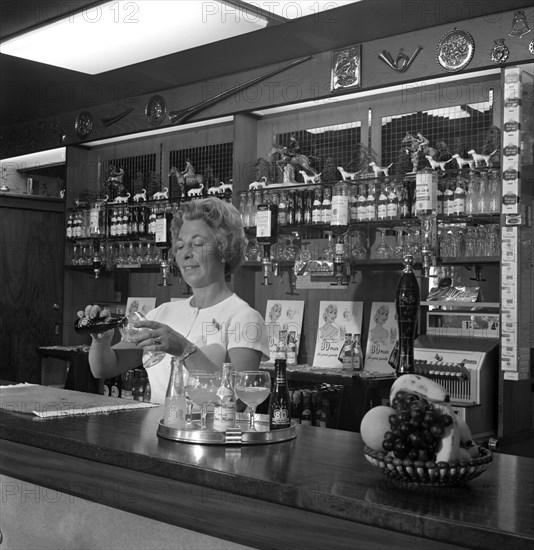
[
  {"x": 120, "y": 33},
  {"x": 160, "y": 131},
  {"x": 40, "y": 159},
  {"x": 294, "y": 9}
]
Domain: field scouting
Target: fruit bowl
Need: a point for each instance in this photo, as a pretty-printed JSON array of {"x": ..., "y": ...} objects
[{"x": 429, "y": 473}]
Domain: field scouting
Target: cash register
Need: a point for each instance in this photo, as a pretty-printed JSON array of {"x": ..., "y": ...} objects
[{"x": 468, "y": 368}]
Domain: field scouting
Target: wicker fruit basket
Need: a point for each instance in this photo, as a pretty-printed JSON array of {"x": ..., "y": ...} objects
[{"x": 429, "y": 473}]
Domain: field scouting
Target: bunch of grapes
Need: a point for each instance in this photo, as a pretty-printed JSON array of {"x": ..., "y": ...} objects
[{"x": 416, "y": 429}]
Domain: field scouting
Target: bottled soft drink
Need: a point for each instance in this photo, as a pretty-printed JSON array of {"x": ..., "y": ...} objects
[
  {"x": 291, "y": 348},
  {"x": 280, "y": 401},
  {"x": 175, "y": 400},
  {"x": 224, "y": 414}
]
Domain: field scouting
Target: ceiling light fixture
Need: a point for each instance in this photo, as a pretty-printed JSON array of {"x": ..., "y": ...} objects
[{"x": 119, "y": 33}]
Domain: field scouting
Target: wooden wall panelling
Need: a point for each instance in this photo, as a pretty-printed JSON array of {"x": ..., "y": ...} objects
[{"x": 31, "y": 278}]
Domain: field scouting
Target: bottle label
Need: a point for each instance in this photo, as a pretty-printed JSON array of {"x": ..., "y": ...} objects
[
  {"x": 263, "y": 223},
  {"x": 224, "y": 416},
  {"x": 280, "y": 417},
  {"x": 382, "y": 211},
  {"x": 340, "y": 210},
  {"x": 160, "y": 230},
  {"x": 176, "y": 411},
  {"x": 426, "y": 192}
]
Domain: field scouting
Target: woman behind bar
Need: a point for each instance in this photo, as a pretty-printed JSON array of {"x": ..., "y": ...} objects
[{"x": 214, "y": 325}]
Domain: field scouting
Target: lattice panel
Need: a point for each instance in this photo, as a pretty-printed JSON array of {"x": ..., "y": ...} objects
[
  {"x": 449, "y": 130},
  {"x": 336, "y": 145},
  {"x": 131, "y": 175}
]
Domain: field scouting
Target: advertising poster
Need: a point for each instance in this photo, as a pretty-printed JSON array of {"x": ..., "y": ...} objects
[
  {"x": 381, "y": 338},
  {"x": 335, "y": 320},
  {"x": 141, "y": 305},
  {"x": 283, "y": 315}
]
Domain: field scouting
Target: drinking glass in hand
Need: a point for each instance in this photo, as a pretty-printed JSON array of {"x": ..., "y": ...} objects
[
  {"x": 202, "y": 389},
  {"x": 253, "y": 388},
  {"x": 129, "y": 331}
]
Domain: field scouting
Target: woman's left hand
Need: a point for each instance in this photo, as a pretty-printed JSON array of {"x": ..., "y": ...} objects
[{"x": 159, "y": 337}]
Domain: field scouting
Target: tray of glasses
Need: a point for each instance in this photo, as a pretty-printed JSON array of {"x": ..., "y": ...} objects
[{"x": 240, "y": 435}]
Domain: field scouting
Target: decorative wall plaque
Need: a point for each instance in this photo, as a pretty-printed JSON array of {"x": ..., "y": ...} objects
[
  {"x": 500, "y": 51},
  {"x": 84, "y": 124},
  {"x": 346, "y": 68},
  {"x": 156, "y": 110},
  {"x": 455, "y": 50}
]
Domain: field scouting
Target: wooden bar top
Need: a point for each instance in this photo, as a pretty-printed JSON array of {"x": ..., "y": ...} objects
[{"x": 317, "y": 490}]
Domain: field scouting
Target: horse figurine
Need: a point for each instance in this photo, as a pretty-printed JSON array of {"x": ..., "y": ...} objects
[
  {"x": 176, "y": 176},
  {"x": 187, "y": 179},
  {"x": 297, "y": 159},
  {"x": 418, "y": 144}
]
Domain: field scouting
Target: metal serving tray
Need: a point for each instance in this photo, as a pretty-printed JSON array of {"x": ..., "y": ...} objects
[{"x": 240, "y": 435}]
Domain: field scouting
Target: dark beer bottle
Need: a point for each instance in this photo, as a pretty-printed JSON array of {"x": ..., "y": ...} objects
[
  {"x": 280, "y": 400},
  {"x": 407, "y": 301}
]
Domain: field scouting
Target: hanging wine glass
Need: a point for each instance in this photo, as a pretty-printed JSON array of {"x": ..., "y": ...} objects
[
  {"x": 400, "y": 247},
  {"x": 383, "y": 252},
  {"x": 357, "y": 250}
]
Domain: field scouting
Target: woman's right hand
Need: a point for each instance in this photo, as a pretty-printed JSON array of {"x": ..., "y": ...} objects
[{"x": 92, "y": 312}]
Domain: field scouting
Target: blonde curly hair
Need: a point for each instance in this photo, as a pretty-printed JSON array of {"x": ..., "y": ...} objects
[{"x": 226, "y": 222}]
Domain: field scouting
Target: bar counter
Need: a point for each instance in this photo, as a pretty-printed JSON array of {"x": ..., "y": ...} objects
[{"x": 315, "y": 491}]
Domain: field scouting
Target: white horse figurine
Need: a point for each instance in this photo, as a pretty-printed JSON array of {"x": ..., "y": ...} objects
[
  {"x": 463, "y": 162},
  {"x": 347, "y": 175},
  {"x": 379, "y": 169},
  {"x": 262, "y": 184},
  {"x": 161, "y": 195},
  {"x": 437, "y": 163},
  {"x": 140, "y": 196},
  {"x": 122, "y": 199},
  {"x": 196, "y": 192},
  {"x": 316, "y": 178},
  {"x": 479, "y": 158}
]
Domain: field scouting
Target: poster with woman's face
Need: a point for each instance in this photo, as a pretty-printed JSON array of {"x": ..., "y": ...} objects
[
  {"x": 381, "y": 338},
  {"x": 336, "y": 319},
  {"x": 283, "y": 315}
]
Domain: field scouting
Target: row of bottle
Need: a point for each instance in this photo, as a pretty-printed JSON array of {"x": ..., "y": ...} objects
[
  {"x": 133, "y": 385},
  {"x": 315, "y": 407},
  {"x": 126, "y": 221},
  {"x": 478, "y": 193}
]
